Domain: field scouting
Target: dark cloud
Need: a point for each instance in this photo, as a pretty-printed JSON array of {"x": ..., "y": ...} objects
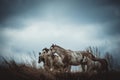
[
  {"x": 93, "y": 11},
  {"x": 81, "y": 11},
  {"x": 10, "y": 8},
  {"x": 13, "y": 8},
  {"x": 113, "y": 26},
  {"x": 110, "y": 2},
  {"x": 78, "y": 11},
  {"x": 113, "y": 29}
]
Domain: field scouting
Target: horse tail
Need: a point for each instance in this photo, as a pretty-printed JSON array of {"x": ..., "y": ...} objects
[
  {"x": 104, "y": 63},
  {"x": 106, "y": 66}
]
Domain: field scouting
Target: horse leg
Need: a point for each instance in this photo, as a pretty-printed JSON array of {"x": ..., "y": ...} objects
[
  {"x": 68, "y": 68},
  {"x": 89, "y": 68},
  {"x": 46, "y": 68},
  {"x": 83, "y": 67}
]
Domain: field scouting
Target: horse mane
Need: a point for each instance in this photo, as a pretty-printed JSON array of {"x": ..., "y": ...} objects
[
  {"x": 46, "y": 49},
  {"x": 92, "y": 55},
  {"x": 88, "y": 54},
  {"x": 63, "y": 51},
  {"x": 59, "y": 47}
]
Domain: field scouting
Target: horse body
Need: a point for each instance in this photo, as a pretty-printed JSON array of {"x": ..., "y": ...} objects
[
  {"x": 68, "y": 57},
  {"x": 71, "y": 57},
  {"x": 96, "y": 64},
  {"x": 76, "y": 58},
  {"x": 104, "y": 64}
]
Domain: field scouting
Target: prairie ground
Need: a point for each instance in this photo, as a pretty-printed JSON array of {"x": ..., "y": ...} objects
[{"x": 14, "y": 71}]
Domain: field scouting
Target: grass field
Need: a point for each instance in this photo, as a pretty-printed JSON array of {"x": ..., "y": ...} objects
[{"x": 14, "y": 71}]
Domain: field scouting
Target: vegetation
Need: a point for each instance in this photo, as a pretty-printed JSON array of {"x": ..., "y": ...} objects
[{"x": 13, "y": 71}]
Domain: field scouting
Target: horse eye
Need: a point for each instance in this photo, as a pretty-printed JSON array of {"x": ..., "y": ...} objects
[{"x": 39, "y": 53}]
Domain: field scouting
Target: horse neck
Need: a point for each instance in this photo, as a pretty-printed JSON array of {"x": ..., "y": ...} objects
[
  {"x": 61, "y": 52},
  {"x": 90, "y": 55}
]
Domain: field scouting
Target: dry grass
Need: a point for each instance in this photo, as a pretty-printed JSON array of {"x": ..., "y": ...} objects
[{"x": 14, "y": 71}]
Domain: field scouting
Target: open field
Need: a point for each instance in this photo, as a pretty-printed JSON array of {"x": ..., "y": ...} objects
[{"x": 14, "y": 71}]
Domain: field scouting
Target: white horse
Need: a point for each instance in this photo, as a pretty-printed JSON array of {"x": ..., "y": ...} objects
[
  {"x": 97, "y": 65},
  {"x": 70, "y": 57}
]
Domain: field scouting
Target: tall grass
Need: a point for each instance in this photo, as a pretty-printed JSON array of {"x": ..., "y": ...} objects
[{"x": 22, "y": 71}]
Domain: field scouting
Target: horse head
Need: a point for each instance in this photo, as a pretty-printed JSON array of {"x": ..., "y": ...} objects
[
  {"x": 45, "y": 50},
  {"x": 41, "y": 58},
  {"x": 53, "y": 48},
  {"x": 42, "y": 55}
]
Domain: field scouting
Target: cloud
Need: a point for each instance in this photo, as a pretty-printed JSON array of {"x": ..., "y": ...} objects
[
  {"x": 16, "y": 7},
  {"x": 79, "y": 11},
  {"x": 37, "y": 33},
  {"x": 113, "y": 28}
]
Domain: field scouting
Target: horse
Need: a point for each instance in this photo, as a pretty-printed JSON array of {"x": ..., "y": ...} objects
[
  {"x": 70, "y": 57},
  {"x": 96, "y": 64},
  {"x": 43, "y": 57},
  {"x": 54, "y": 62}
]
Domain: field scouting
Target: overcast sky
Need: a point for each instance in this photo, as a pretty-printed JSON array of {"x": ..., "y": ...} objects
[{"x": 31, "y": 25}]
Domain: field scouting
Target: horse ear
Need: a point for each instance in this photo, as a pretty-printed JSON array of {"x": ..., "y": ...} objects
[
  {"x": 47, "y": 50},
  {"x": 44, "y": 49},
  {"x": 52, "y": 45}
]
